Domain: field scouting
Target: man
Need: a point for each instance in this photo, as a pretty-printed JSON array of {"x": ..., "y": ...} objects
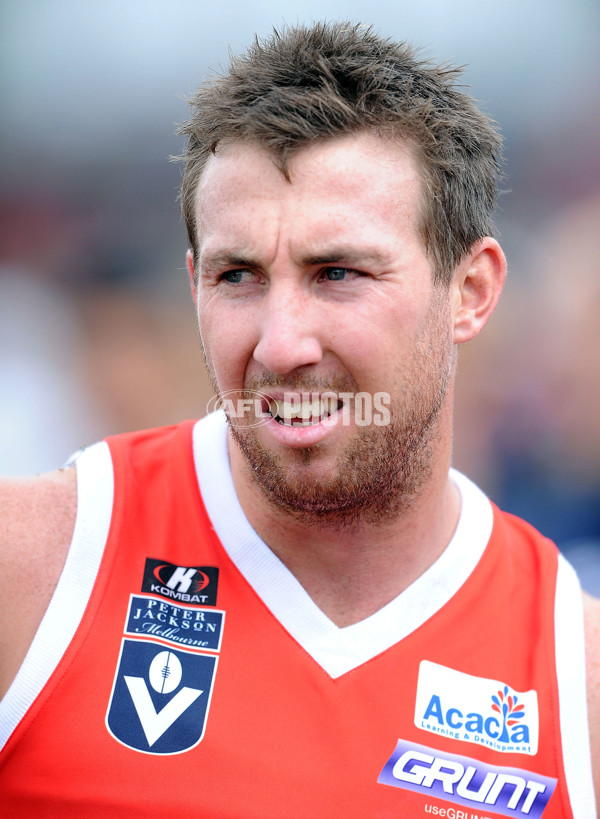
[{"x": 337, "y": 623}]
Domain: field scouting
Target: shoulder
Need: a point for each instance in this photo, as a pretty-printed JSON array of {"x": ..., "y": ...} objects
[
  {"x": 37, "y": 515},
  {"x": 591, "y": 608},
  {"x": 37, "y": 518},
  {"x": 38, "y": 502}
]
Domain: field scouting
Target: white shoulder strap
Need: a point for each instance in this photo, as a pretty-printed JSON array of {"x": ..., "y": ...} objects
[
  {"x": 570, "y": 669},
  {"x": 63, "y": 616}
]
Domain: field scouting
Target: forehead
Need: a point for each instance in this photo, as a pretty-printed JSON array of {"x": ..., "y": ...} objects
[{"x": 342, "y": 186}]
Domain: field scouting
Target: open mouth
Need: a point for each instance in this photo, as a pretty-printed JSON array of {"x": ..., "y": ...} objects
[{"x": 304, "y": 412}]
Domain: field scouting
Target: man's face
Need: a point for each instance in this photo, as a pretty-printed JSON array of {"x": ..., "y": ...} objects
[{"x": 321, "y": 285}]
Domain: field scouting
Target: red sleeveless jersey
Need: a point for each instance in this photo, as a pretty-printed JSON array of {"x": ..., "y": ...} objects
[{"x": 182, "y": 671}]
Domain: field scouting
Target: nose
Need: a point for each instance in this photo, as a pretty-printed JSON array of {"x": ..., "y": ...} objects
[{"x": 290, "y": 331}]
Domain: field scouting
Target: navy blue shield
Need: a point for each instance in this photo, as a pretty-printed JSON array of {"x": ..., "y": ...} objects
[{"x": 160, "y": 697}]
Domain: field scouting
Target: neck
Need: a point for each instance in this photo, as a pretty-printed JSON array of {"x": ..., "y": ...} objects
[{"x": 351, "y": 571}]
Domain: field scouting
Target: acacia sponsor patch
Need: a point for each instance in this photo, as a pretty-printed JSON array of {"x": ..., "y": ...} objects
[
  {"x": 467, "y": 782},
  {"x": 476, "y": 709}
]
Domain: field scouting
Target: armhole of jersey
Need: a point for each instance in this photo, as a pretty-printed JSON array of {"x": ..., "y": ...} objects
[
  {"x": 571, "y": 673},
  {"x": 62, "y": 618}
]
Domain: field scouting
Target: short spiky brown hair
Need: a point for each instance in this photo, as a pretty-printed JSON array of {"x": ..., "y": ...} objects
[{"x": 320, "y": 82}]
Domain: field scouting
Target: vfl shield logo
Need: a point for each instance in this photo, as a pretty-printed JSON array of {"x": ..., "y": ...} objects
[{"x": 160, "y": 697}]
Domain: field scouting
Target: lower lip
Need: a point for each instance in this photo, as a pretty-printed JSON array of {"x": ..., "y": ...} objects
[{"x": 303, "y": 436}]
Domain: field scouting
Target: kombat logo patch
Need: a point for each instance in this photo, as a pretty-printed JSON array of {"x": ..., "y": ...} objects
[
  {"x": 467, "y": 782},
  {"x": 475, "y": 709},
  {"x": 160, "y": 697},
  {"x": 196, "y": 585}
]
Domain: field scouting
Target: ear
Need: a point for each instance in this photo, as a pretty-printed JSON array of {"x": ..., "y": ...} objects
[
  {"x": 189, "y": 261},
  {"x": 477, "y": 283}
]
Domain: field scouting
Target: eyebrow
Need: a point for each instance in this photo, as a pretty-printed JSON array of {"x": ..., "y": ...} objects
[
  {"x": 346, "y": 255},
  {"x": 218, "y": 261}
]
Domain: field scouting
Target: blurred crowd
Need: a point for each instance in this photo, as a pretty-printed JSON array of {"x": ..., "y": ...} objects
[{"x": 528, "y": 403}]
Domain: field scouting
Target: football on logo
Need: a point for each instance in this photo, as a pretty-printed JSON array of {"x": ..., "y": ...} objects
[{"x": 165, "y": 672}]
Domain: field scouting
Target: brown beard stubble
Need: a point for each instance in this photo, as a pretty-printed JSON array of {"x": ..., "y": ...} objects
[{"x": 382, "y": 470}]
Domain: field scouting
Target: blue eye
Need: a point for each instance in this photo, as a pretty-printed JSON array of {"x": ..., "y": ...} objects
[
  {"x": 233, "y": 276},
  {"x": 336, "y": 274}
]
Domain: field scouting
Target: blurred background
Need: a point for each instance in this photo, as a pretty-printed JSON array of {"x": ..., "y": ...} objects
[{"x": 97, "y": 329}]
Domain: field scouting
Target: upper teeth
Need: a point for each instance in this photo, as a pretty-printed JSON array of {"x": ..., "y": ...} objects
[{"x": 303, "y": 409}]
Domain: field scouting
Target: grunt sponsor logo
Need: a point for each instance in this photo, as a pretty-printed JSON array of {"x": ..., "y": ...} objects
[
  {"x": 180, "y": 625},
  {"x": 467, "y": 782},
  {"x": 476, "y": 709},
  {"x": 196, "y": 585}
]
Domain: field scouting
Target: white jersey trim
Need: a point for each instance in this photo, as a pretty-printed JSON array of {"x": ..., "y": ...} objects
[
  {"x": 62, "y": 618},
  {"x": 571, "y": 674},
  {"x": 336, "y": 650}
]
